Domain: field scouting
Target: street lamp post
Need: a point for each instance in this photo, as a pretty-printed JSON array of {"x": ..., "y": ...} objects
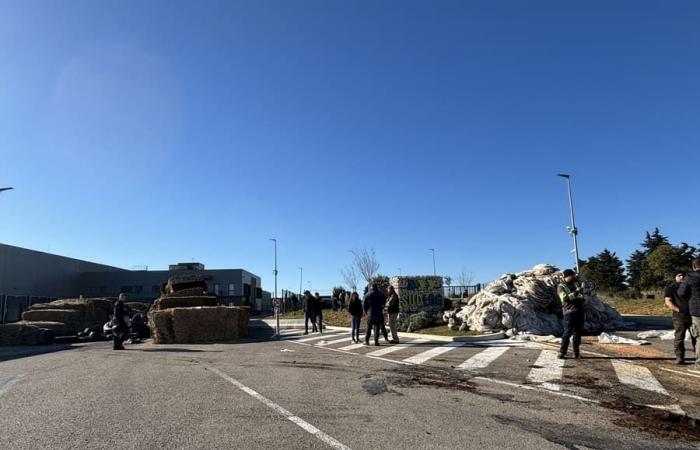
[
  {"x": 573, "y": 231},
  {"x": 301, "y": 278},
  {"x": 277, "y": 309},
  {"x": 433, "y": 250}
]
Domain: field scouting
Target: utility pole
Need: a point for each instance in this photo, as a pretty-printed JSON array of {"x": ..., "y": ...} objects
[
  {"x": 277, "y": 309},
  {"x": 434, "y": 271},
  {"x": 301, "y": 278},
  {"x": 573, "y": 231}
]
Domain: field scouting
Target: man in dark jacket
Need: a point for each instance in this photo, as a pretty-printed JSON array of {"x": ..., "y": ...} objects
[
  {"x": 572, "y": 299},
  {"x": 119, "y": 327},
  {"x": 374, "y": 307},
  {"x": 309, "y": 312},
  {"x": 690, "y": 290},
  {"x": 318, "y": 311},
  {"x": 681, "y": 317},
  {"x": 392, "y": 309}
]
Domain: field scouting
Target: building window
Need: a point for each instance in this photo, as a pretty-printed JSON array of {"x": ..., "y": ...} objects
[
  {"x": 138, "y": 289},
  {"x": 127, "y": 289},
  {"x": 216, "y": 289},
  {"x": 155, "y": 289},
  {"x": 231, "y": 289}
]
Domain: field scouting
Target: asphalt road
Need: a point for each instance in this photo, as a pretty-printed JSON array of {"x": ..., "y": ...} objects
[{"x": 263, "y": 393}]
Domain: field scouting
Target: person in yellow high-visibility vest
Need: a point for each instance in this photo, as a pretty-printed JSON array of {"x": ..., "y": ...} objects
[{"x": 572, "y": 304}]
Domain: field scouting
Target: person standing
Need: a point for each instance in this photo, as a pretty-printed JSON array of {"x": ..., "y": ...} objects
[
  {"x": 689, "y": 290},
  {"x": 681, "y": 317},
  {"x": 392, "y": 309},
  {"x": 355, "y": 310},
  {"x": 318, "y": 312},
  {"x": 571, "y": 295},
  {"x": 119, "y": 327},
  {"x": 343, "y": 298},
  {"x": 374, "y": 307},
  {"x": 309, "y": 312}
]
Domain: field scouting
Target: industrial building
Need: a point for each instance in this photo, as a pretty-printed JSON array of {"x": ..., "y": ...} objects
[{"x": 29, "y": 276}]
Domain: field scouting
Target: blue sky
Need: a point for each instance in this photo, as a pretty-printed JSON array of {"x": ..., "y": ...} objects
[{"x": 144, "y": 133}]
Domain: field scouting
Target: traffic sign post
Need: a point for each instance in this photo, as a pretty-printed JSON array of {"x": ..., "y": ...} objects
[{"x": 276, "y": 303}]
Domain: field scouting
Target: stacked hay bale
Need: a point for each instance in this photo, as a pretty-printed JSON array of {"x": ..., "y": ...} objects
[
  {"x": 421, "y": 300},
  {"x": 25, "y": 333},
  {"x": 74, "y": 314},
  {"x": 189, "y": 315},
  {"x": 528, "y": 302}
]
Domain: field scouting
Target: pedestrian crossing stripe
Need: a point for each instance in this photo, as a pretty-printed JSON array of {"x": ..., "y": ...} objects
[
  {"x": 637, "y": 376},
  {"x": 482, "y": 359},
  {"x": 548, "y": 370},
  {"x": 397, "y": 347},
  {"x": 433, "y": 352},
  {"x": 319, "y": 336},
  {"x": 351, "y": 347},
  {"x": 337, "y": 341}
]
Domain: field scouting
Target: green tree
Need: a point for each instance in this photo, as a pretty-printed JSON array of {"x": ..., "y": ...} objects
[
  {"x": 636, "y": 267},
  {"x": 664, "y": 262},
  {"x": 654, "y": 240},
  {"x": 606, "y": 270}
]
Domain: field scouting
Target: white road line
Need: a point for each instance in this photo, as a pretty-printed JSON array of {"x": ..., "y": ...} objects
[
  {"x": 351, "y": 347},
  {"x": 549, "y": 372},
  {"x": 433, "y": 352},
  {"x": 288, "y": 332},
  {"x": 6, "y": 385},
  {"x": 397, "y": 347},
  {"x": 320, "y": 336},
  {"x": 288, "y": 415},
  {"x": 637, "y": 376},
  {"x": 679, "y": 372},
  {"x": 337, "y": 341},
  {"x": 483, "y": 358}
]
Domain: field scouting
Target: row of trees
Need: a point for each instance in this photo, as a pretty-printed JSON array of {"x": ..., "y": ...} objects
[{"x": 650, "y": 267}]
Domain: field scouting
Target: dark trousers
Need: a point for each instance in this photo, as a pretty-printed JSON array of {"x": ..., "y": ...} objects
[
  {"x": 319, "y": 316},
  {"x": 573, "y": 325},
  {"x": 118, "y": 337},
  {"x": 356, "y": 327},
  {"x": 309, "y": 316},
  {"x": 376, "y": 326},
  {"x": 681, "y": 324}
]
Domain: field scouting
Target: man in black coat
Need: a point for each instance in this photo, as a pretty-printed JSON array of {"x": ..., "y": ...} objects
[
  {"x": 119, "y": 327},
  {"x": 374, "y": 307},
  {"x": 309, "y": 312},
  {"x": 690, "y": 290},
  {"x": 682, "y": 320}
]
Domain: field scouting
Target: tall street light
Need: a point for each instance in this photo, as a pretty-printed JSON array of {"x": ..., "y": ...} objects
[
  {"x": 301, "y": 278},
  {"x": 277, "y": 310},
  {"x": 434, "y": 271},
  {"x": 573, "y": 231},
  {"x": 6, "y": 189}
]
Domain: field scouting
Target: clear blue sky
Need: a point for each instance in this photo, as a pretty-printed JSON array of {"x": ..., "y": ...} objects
[{"x": 145, "y": 133}]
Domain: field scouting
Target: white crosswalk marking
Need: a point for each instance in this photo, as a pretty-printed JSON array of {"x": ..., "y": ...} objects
[
  {"x": 351, "y": 347},
  {"x": 637, "y": 376},
  {"x": 483, "y": 358},
  {"x": 548, "y": 371},
  {"x": 397, "y": 347},
  {"x": 433, "y": 352},
  {"x": 319, "y": 336},
  {"x": 324, "y": 343}
]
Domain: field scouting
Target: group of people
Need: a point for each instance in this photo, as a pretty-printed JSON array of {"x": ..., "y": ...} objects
[
  {"x": 375, "y": 305},
  {"x": 313, "y": 312},
  {"x": 682, "y": 297}
]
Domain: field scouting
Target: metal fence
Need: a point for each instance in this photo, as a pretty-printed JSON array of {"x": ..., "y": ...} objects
[{"x": 460, "y": 291}]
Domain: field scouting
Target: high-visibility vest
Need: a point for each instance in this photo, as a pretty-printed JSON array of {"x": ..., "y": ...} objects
[{"x": 567, "y": 293}]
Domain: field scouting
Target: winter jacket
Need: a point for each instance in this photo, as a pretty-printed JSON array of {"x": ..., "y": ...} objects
[
  {"x": 393, "y": 304},
  {"x": 690, "y": 290},
  {"x": 355, "y": 308},
  {"x": 374, "y": 306},
  {"x": 571, "y": 301}
]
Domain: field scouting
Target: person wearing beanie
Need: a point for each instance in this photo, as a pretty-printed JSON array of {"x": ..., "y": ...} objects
[{"x": 572, "y": 299}]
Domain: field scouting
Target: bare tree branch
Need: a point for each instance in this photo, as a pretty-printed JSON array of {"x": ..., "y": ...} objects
[
  {"x": 349, "y": 277},
  {"x": 366, "y": 263},
  {"x": 465, "y": 278}
]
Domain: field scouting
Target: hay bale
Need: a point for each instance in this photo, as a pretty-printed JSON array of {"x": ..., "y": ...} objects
[
  {"x": 73, "y": 319},
  {"x": 190, "y": 292},
  {"x": 21, "y": 333},
  {"x": 58, "y": 328},
  {"x": 201, "y": 324},
  {"x": 184, "y": 302},
  {"x": 243, "y": 317},
  {"x": 161, "y": 325},
  {"x": 138, "y": 307},
  {"x": 232, "y": 326}
]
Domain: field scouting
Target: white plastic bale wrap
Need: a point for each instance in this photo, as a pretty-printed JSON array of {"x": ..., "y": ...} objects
[{"x": 528, "y": 302}]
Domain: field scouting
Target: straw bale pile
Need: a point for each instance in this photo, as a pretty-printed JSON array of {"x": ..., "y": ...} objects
[
  {"x": 75, "y": 314},
  {"x": 59, "y": 328},
  {"x": 198, "y": 324},
  {"x": 184, "y": 302},
  {"x": 22, "y": 333},
  {"x": 138, "y": 307},
  {"x": 73, "y": 319},
  {"x": 161, "y": 325}
]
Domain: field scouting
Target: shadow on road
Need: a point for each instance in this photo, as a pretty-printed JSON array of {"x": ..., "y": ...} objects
[{"x": 7, "y": 354}]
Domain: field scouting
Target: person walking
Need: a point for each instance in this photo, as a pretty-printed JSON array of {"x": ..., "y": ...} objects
[
  {"x": 318, "y": 312},
  {"x": 680, "y": 316},
  {"x": 689, "y": 290},
  {"x": 119, "y": 327},
  {"x": 392, "y": 309},
  {"x": 572, "y": 299},
  {"x": 355, "y": 310},
  {"x": 309, "y": 312},
  {"x": 374, "y": 307}
]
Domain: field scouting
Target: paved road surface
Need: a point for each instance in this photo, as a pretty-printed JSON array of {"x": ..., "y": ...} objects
[{"x": 326, "y": 392}]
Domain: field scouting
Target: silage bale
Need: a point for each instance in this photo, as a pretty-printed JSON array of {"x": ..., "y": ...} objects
[{"x": 161, "y": 325}]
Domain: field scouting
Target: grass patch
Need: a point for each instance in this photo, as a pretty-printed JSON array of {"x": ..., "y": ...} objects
[
  {"x": 442, "y": 330},
  {"x": 651, "y": 307},
  {"x": 330, "y": 317}
]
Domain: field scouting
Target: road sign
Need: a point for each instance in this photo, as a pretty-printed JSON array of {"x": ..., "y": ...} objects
[{"x": 277, "y": 302}]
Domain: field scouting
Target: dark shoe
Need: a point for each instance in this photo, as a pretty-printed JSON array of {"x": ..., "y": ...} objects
[
  {"x": 393, "y": 341},
  {"x": 577, "y": 356},
  {"x": 376, "y": 343},
  {"x": 561, "y": 356},
  {"x": 366, "y": 342},
  {"x": 305, "y": 333}
]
